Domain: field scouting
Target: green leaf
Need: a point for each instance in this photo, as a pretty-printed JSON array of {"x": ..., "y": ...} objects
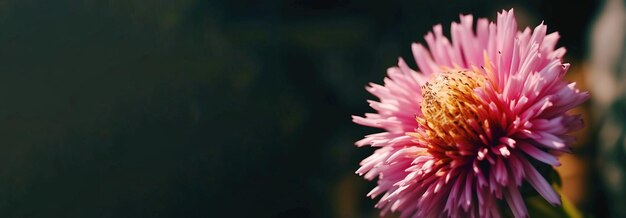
[{"x": 539, "y": 207}]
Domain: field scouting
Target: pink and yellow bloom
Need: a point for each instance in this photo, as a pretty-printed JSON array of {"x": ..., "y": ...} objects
[{"x": 463, "y": 133}]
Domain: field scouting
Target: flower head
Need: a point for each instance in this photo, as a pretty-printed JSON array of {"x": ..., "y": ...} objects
[{"x": 465, "y": 132}]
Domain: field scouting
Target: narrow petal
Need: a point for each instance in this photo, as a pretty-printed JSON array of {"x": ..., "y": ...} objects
[{"x": 540, "y": 184}]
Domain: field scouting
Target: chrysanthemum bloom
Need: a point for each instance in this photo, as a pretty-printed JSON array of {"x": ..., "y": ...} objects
[{"x": 462, "y": 135}]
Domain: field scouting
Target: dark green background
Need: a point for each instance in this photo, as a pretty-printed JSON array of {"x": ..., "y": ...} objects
[{"x": 131, "y": 108}]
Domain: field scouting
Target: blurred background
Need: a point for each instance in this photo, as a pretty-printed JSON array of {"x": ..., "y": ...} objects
[{"x": 136, "y": 108}]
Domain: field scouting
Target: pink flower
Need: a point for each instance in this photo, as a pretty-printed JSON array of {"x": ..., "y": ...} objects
[{"x": 463, "y": 134}]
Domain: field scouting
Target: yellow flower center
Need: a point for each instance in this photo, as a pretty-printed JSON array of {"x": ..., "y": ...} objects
[{"x": 450, "y": 104}]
